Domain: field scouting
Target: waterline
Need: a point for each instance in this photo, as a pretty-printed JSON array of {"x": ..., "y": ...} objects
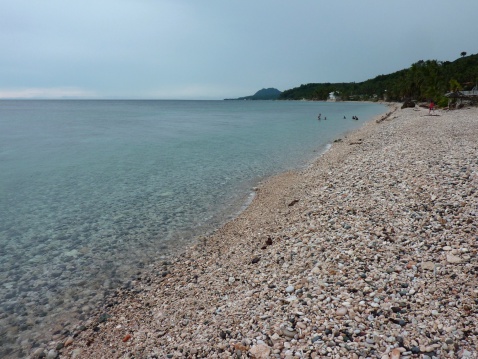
[{"x": 93, "y": 191}]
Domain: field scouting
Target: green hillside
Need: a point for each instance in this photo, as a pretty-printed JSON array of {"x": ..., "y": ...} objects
[
  {"x": 264, "y": 94},
  {"x": 424, "y": 80}
]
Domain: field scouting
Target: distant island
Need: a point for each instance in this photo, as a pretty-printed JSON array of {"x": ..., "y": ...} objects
[{"x": 264, "y": 94}]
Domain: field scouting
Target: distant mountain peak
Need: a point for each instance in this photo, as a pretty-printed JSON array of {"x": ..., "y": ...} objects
[{"x": 263, "y": 94}]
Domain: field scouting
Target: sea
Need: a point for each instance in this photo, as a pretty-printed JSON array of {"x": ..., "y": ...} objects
[{"x": 94, "y": 191}]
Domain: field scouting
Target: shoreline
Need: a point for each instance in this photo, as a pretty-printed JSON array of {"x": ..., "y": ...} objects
[
  {"x": 289, "y": 274},
  {"x": 64, "y": 299}
]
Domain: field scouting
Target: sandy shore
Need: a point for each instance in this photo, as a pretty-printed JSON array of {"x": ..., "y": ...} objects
[{"x": 369, "y": 252}]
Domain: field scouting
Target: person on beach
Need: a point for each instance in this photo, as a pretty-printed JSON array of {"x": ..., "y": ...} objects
[{"x": 431, "y": 108}]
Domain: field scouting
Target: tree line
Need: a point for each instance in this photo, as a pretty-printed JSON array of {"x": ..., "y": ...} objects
[{"x": 423, "y": 81}]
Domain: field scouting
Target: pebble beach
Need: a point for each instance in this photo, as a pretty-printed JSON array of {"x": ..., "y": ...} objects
[{"x": 369, "y": 252}]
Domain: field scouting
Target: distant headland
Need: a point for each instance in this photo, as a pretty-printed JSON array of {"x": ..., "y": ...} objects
[
  {"x": 264, "y": 94},
  {"x": 447, "y": 83}
]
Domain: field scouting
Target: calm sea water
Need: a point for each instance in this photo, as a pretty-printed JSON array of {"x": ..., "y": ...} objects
[{"x": 92, "y": 191}]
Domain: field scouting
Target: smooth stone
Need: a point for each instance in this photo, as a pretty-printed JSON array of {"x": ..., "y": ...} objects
[
  {"x": 395, "y": 354},
  {"x": 76, "y": 353},
  {"x": 391, "y": 339},
  {"x": 450, "y": 258},
  {"x": 72, "y": 253},
  {"x": 428, "y": 265},
  {"x": 341, "y": 311},
  {"x": 38, "y": 353},
  {"x": 316, "y": 338},
  {"x": 260, "y": 351},
  {"x": 68, "y": 341},
  {"x": 415, "y": 350},
  {"x": 289, "y": 289},
  {"x": 289, "y": 333},
  {"x": 52, "y": 354}
]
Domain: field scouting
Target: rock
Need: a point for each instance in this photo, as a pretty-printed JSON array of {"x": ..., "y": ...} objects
[
  {"x": 450, "y": 258},
  {"x": 52, "y": 354},
  {"x": 289, "y": 332},
  {"x": 260, "y": 351},
  {"x": 316, "y": 338},
  {"x": 408, "y": 104},
  {"x": 466, "y": 354},
  {"x": 76, "y": 354},
  {"x": 415, "y": 350},
  {"x": 126, "y": 338},
  {"x": 341, "y": 311},
  {"x": 395, "y": 354},
  {"x": 290, "y": 289},
  {"x": 38, "y": 353},
  {"x": 68, "y": 341},
  {"x": 103, "y": 318},
  {"x": 428, "y": 266}
]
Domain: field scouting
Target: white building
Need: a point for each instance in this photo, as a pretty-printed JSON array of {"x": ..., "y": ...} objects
[{"x": 334, "y": 96}]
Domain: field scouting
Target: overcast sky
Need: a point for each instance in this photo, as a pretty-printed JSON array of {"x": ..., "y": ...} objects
[{"x": 215, "y": 49}]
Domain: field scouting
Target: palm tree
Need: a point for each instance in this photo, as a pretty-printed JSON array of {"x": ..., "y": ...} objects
[
  {"x": 455, "y": 85},
  {"x": 463, "y": 54}
]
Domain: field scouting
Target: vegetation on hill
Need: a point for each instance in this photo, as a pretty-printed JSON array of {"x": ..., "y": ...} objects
[
  {"x": 264, "y": 94},
  {"x": 423, "y": 81}
]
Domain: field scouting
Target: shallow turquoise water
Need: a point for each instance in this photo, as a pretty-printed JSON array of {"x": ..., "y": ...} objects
[{"x": 91, "y": 191}]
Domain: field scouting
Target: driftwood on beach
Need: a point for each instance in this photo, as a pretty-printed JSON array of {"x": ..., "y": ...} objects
[{"x": 386, "y": 116}]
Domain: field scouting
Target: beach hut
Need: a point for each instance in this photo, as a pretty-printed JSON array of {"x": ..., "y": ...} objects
[{"x": 460, "y": 96}]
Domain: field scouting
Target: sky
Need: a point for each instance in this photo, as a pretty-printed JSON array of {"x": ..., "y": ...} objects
[{"x": 216, "y": 49}]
